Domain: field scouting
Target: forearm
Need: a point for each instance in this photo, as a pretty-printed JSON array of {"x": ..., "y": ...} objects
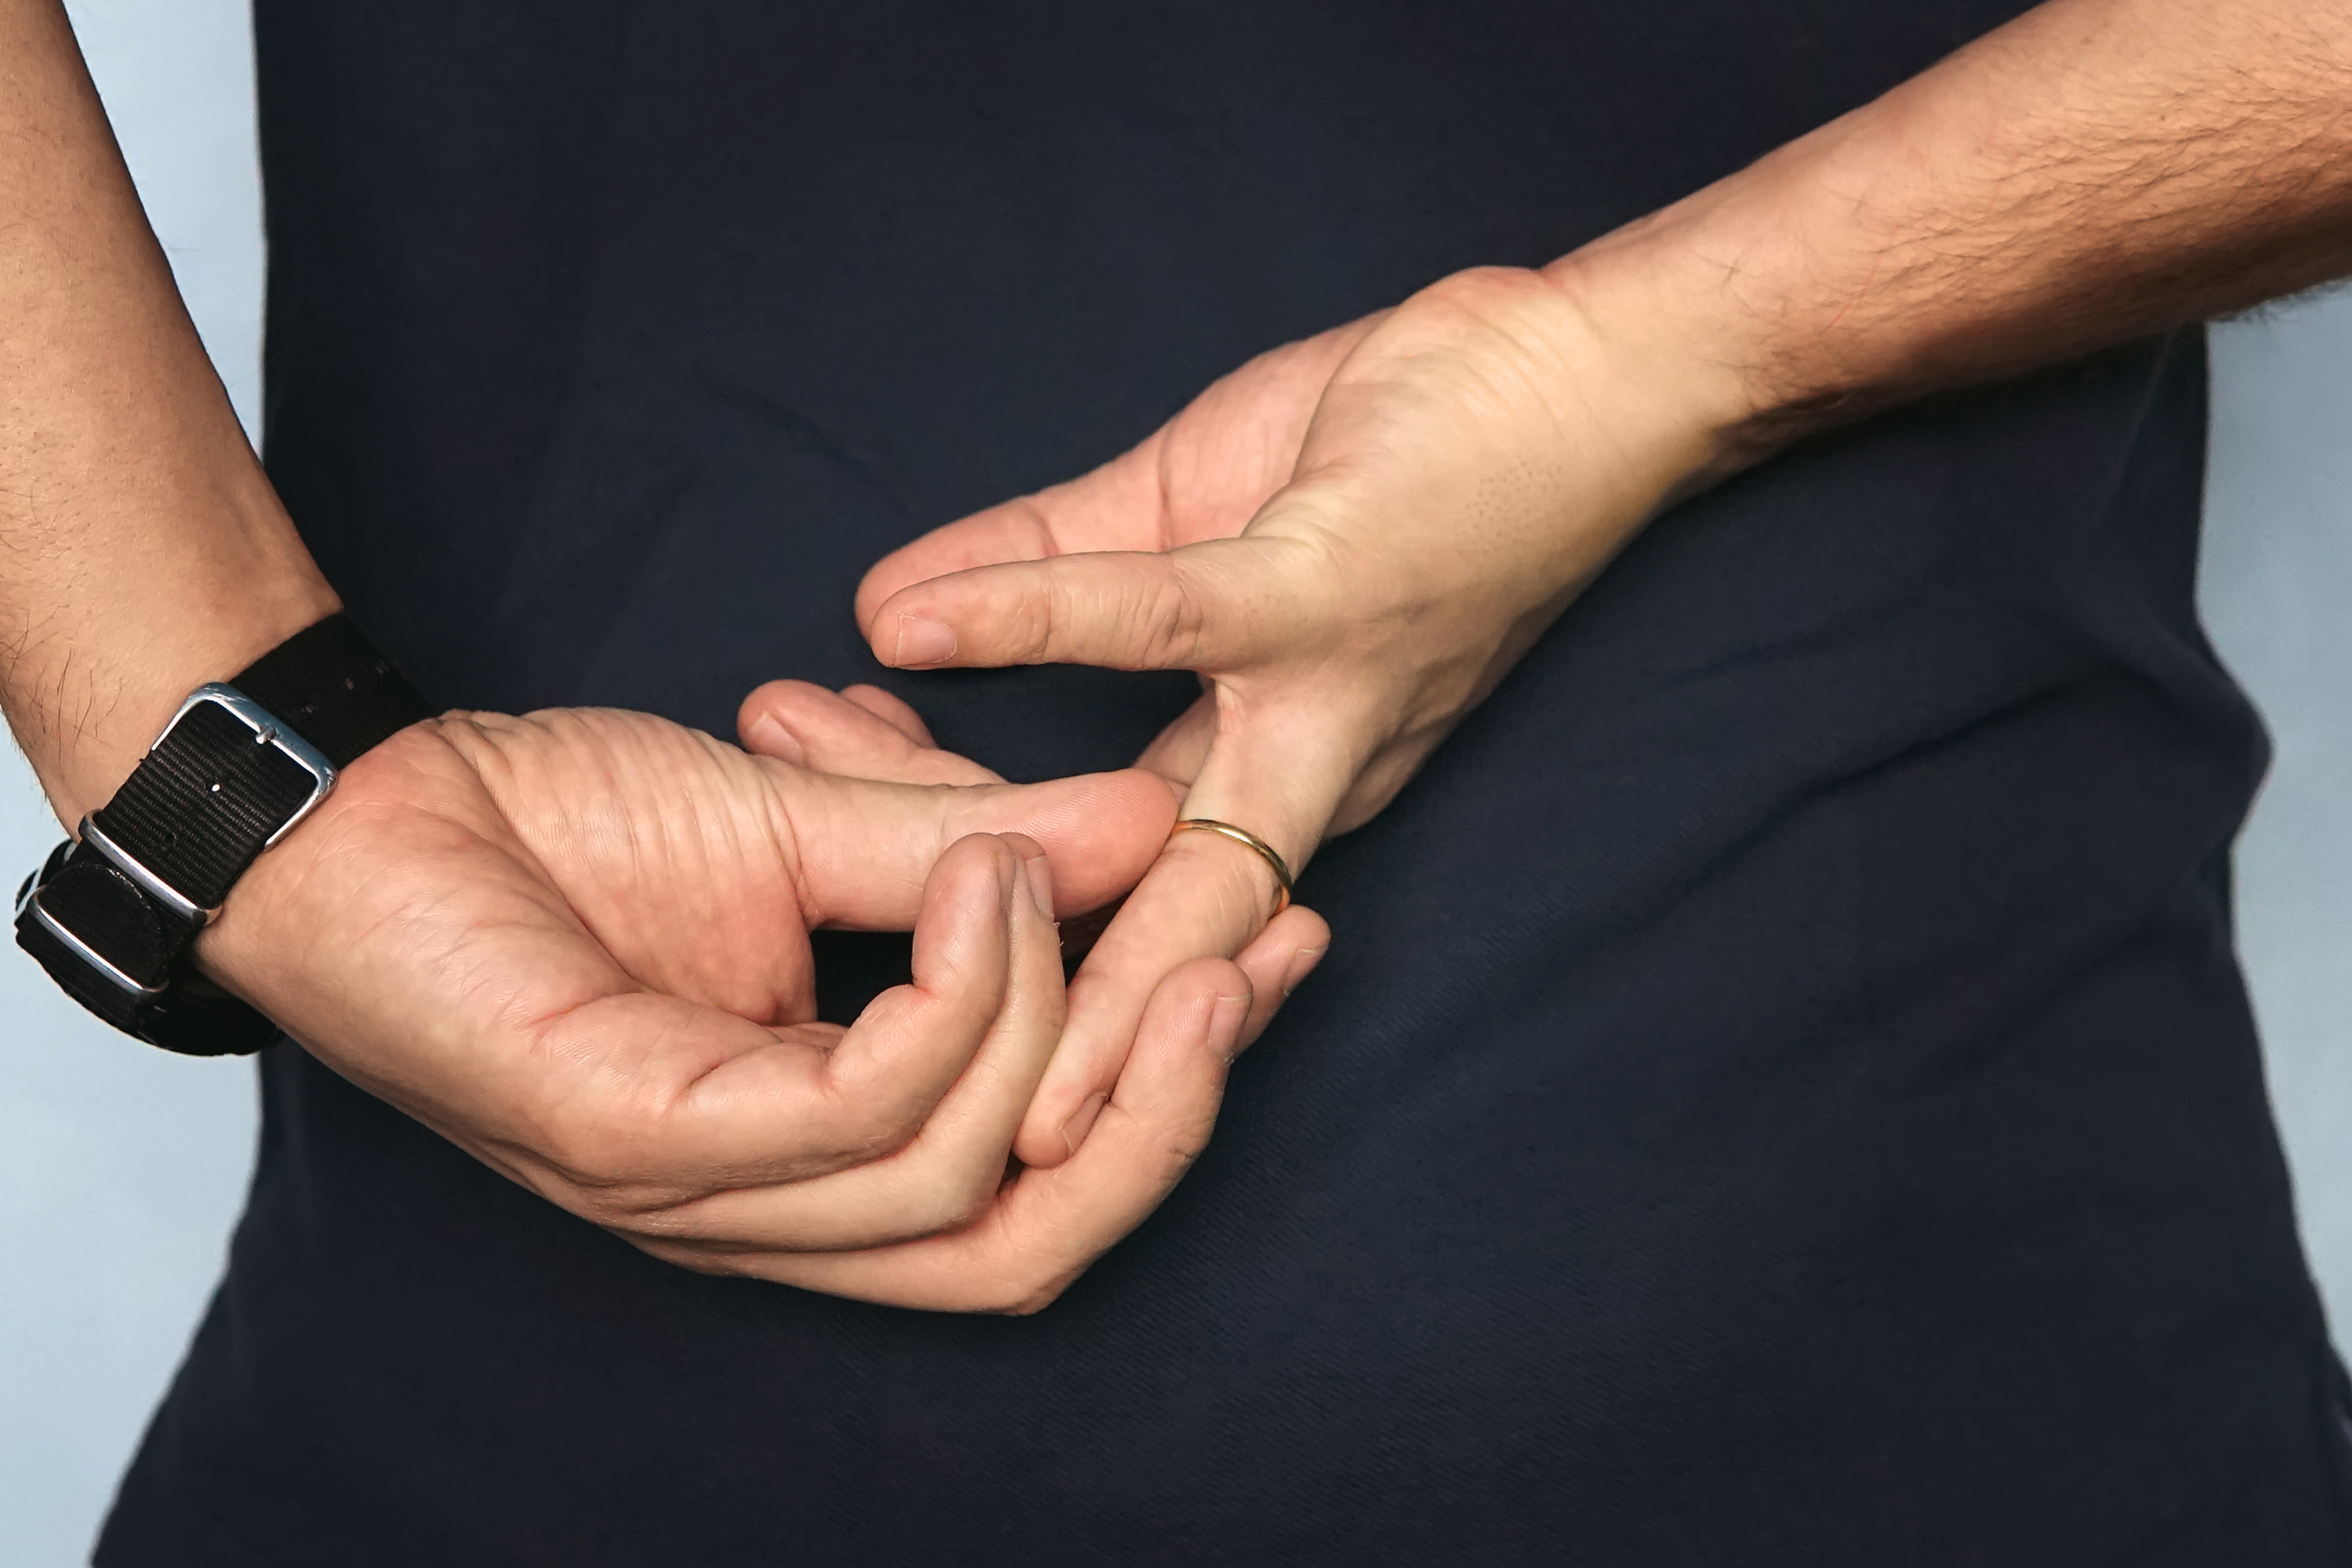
[
  {"x": 141, "y": 550},
  {"x": 2097, "y": 169}
]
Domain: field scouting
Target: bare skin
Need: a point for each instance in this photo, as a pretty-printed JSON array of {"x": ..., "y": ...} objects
[
  {"x": 576, "y": 944},
  {"x": 1352, "y": 537}
]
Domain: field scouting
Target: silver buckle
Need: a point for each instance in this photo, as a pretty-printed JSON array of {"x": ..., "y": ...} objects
[
  {"x": 155, "y": 887},
  {"x": 83, "y": 951},
  {"x": 268, "y": 729}
]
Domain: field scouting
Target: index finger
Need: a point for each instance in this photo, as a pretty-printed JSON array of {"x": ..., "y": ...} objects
[
  {"x": 1219, "y": 605},
  {"x": 1120, "y": 506}
]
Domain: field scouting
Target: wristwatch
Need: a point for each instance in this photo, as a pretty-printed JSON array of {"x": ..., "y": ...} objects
[{"x": 112, "y": 912}]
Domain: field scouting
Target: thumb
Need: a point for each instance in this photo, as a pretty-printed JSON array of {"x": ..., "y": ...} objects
[
  {"x": 864, "y": 848},
  {"x": 1218, "y": 604}
]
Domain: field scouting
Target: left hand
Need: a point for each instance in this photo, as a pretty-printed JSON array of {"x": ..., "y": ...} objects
[
  {"x": 576, "y": 944},
  {"x": 1351, "y": 540}
]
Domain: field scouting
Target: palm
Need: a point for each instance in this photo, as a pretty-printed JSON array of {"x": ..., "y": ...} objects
[
  {"x": 1353, "y": 537},
  {"x": 669, "y": 847},
  {"x": 413, "y": 882},
  {"x": 604, "y": 908},
  {"x": 1351, "y": 540}
]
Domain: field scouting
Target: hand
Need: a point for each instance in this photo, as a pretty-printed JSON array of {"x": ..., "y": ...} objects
[
  {"x": 1045, "y": 1225},
  {"x": 576, "y": 944},
  {"x": 1351, "y": 540}
]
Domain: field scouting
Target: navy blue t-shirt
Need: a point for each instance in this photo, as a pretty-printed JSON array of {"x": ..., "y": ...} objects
[{"x": 1781, "y": 1090}]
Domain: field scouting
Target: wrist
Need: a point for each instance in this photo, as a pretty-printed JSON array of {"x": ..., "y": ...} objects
[
  {"x": 1756, "y": 296},
  {"x": 111, "y": 913},
  {"x": 1679, "y": 401},
  {"x": 88, "y": 698}
]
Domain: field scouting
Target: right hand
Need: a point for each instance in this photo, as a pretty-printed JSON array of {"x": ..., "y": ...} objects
[
  {"x": 575, "y": 943},
  {"x": 1351, "y": 539}
]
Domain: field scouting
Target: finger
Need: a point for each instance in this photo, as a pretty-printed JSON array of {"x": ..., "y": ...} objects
[
  {"x": 948, "y": 1173},
  {"x": 810, "y": 727},
  {"x": 891, "y": 711},
  {"x": 891, "y": 1056},
  {"x": 1281, "y": 957},
  {"x": 1280, "y": 778},
  {"x": 1047, "y": 1226},
  {"x": 863, "y": 849},
  {"x": 656, "y": 1101},
  {"x": 1117, "y": 506},
  {"x": 1220, "y": 604},
  {"x": 1202, "y": 476}
]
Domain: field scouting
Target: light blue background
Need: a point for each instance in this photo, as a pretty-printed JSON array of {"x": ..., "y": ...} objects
[{"x": 122, "y": 1168}]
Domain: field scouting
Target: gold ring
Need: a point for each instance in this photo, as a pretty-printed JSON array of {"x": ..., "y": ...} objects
[{"x": 1243, "y": 837}]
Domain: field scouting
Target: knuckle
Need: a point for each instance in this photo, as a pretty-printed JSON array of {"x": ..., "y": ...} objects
[
  {"x": 588, "y": 1150},
  {"x": 601, "y": 1206},
  {"x": 1144, "y": 617},
  {"x": 892, "y": 1122},
  {"x": 695, "y": 1260},
  {"x": 1480, "y": 290},
  {"x": 1031, "y": 1299},
  {"x": 939, "y": 1214},
  {"x": 1172, "y": 621},
  {"x": 1038, "y": 619},
  {"x": 607, "y": 1153},
  {"x": 953, "y": 1191},
  {"x": 1023, "y": 1280},
  {"x": 969, "y": 1190},
  {"x": 869, "y": 1126}
]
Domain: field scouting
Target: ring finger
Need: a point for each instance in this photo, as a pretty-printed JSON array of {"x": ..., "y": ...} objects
[{"x": 1207, "y": 896}]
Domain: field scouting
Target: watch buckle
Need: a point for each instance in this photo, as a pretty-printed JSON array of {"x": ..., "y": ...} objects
[
  {"x": 268, "y": 729},
  {"x": 154, "y": 886},
  {"x": 90, "y": 955}
]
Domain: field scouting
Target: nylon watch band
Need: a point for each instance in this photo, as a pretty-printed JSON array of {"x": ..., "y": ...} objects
[{"x": 112, "y": 916}]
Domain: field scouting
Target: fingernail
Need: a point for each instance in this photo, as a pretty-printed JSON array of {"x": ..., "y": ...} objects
[
  {"x": 1226, "y": 1025},
  {"x": 922, "y": 641},
  {"x": 770, "y": 739},
  {"x": 1302, "y": 964},
  {"x": 1075, "y": 1131},
  {"x": 1041, "y": 883}
]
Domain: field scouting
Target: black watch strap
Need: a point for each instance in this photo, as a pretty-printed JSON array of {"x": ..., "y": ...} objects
[{"x": 112, "y": 916}]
